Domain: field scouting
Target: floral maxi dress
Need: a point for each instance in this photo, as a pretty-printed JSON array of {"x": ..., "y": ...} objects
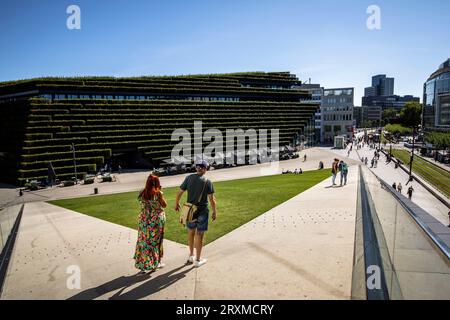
[{"x": 149, "y": 248}]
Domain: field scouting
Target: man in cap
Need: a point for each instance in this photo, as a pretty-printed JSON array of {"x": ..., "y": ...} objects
[{"x": 198, "y": 187}]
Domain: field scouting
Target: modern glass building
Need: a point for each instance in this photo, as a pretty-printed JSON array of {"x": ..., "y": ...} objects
[{"x": 436, "y": 100}]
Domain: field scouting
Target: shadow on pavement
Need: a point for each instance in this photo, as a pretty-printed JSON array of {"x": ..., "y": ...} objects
[
  {"x": 149, "y": 287},
  {"x": 152, "y": 286}
]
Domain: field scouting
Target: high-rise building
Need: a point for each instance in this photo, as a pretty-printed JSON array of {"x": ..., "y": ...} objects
[
  {"x": 389, "y": 102},
  {"x": 372, "y": 113},
  {"x": 370, "y": 92},
  {"x": 381, "y": 86},
  {"x": 380, "y": 96},
  {"x": 436, "y": 100},
  {"x": 337, "y": 113},
  {"x": 357, "y": 116}
]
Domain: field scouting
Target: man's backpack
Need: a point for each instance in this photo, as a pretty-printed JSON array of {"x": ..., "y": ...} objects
[{"x": 344, "y": 168}]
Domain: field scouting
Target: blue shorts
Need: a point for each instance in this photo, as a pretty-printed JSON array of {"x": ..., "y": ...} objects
[{"x": 201, "y": 224}]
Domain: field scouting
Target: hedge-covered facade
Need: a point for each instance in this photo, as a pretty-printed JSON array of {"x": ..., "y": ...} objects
[{"x": 112, "y": 118}]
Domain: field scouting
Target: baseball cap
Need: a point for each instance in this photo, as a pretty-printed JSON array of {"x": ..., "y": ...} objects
[{"x": 202, "y": 163}]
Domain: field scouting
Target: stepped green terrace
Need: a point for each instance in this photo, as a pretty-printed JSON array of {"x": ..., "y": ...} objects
[{"x": 129, "y": 121}]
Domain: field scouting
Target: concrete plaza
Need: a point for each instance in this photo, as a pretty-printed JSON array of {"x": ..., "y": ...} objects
[{"x": 297, "y": 250}]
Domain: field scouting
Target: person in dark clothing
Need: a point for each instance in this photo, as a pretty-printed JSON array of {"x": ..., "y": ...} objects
[
  {"x": 449, "y": 219},
  {"x": 334, "y": 171},
  {"x": 410, "y": 192}
]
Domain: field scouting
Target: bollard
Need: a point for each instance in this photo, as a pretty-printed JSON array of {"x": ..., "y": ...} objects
[{"x": 95, "y": 190}]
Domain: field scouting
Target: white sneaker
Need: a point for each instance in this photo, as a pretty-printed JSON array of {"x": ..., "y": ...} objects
[
  {"x": 161, "y": 265},
  {"x": 190, "y": 259},
  {"x": 199, "y": 263}
]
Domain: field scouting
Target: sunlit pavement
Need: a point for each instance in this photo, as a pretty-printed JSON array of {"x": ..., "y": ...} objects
[
  {"x": 388, "y": 173},
  {"x": 301, "y": 249}
]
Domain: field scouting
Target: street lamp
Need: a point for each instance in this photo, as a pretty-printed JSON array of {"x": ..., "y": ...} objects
[
  {"x": 380, "y": 132},
  {"x": 412, "y": 155}
]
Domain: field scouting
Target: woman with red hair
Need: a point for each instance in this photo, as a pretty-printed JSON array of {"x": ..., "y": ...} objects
[{"x": 149, "y": 248}]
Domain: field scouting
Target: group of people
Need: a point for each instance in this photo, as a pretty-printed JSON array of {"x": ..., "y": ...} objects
[
  {"x": 296, "y": 171},
  {"x": 399, "y": 188},
  {"x": 339, "y": 167},
  {"x": 149, "y": 247}
]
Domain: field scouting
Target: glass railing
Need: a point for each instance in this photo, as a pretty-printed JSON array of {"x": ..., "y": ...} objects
[
  {"x": 8, "y": 217},
  {"x": 397, "y": 256},
  {"x": 11, "y": 209}
]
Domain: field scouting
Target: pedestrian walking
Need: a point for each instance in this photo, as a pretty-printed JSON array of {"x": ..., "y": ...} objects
[
  {"x": 199, "y": 190},
  {"x": 334, "y": 171},
  {"x": 344, "y": 172},
  {"x": 449, "y": 219},
  {"x": 399, "y": 187},
  {"x": 394, "y": 185},
  {"x": 366, "y": 161},
  {"x": 372, "y": 162},
  {"x": 304, "y": 158},
  {"x": 410, "y": 192},
  {"x": 149, "y": 246}
]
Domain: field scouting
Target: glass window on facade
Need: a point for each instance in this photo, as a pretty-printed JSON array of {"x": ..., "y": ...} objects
[{"x": 444, "y": 110}]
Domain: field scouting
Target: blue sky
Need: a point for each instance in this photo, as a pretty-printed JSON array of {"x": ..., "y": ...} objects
[{"x": 327, "y": 41}]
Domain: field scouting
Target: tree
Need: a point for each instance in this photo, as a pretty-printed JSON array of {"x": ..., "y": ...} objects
[
  {"x": 411, "y": 114},
  {"x": 397, "y": 130},
  {"x": 439, "y": 140},
  {"x": 368, "y": 124},
  {"x": 389, "y": 115}
]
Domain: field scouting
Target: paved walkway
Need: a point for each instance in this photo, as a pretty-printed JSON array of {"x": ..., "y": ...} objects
[
  {"x": 136, "y": 180},
  {"x": 297, "y": 250},
  {"x": 388, "y": 173}
]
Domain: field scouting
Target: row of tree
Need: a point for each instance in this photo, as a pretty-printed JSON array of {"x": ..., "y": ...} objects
[
  {"x": 439, "y": 140},
  {"x": 410, "y": 117}
]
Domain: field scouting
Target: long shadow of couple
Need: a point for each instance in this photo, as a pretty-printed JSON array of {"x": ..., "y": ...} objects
[{"x": 144, "y": 290}]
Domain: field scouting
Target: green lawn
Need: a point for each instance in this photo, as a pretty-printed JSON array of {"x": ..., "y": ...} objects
[
  {"x": 436, "y": 176},
  {"x": 239, "y": 201}
]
